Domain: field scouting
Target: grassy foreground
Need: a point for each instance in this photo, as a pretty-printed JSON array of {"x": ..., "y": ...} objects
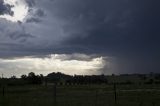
[{"x": 81, "y": 95}]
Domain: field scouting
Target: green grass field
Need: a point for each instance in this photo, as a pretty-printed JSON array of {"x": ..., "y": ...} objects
[{"x": 81, "y": 95}]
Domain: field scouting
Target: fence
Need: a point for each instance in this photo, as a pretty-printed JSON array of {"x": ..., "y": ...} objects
[{"x": 78, "y": 95}]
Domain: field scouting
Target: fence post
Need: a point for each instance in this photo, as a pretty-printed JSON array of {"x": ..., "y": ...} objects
[
  {"x": 3, "y": 91},
  {"x": 45, "y": 81},
  {"x": 115, "y": 93},
  {"x": 55, "y": 94},
  {"x": 96, "y": 101},
  {"x": 153, "y": 103},
  {"x": 141, "y": 104}
]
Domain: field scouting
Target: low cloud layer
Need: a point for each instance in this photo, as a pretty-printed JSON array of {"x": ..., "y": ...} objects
[{"x": 68, "y": 64}]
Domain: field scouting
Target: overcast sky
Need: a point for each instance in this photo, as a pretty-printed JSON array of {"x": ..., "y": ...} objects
[{"x": 113, "y": 36}]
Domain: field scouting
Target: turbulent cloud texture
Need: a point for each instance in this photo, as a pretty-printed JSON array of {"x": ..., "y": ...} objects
[
  {"x": 127, "y": 31},
  {"x": 5, "y": 8}
]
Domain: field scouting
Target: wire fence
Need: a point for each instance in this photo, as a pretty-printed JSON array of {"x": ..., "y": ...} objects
[{"x": 77, "y": 95}]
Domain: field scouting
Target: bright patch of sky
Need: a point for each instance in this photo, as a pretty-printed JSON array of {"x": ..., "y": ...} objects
[
  {"x": 52, "y": 63},
  {"x": 20, "y": 10}
]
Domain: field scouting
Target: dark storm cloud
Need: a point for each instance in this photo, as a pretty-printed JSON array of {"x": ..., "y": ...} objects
[
  {"x": 5, "y": 8},
  {"x": 33, "y": 19},
  {"x": 39, "y": 13},
  {"x": 117, "y": 23},
  {"x": 20, "y": 36},
  {"x": 36, "y": 16},
  {"x": 126, "y": 30},
  {"x": 30, "y": 3}
]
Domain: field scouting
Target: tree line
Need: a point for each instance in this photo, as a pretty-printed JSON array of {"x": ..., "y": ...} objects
[{"x": 63, "y": 79}]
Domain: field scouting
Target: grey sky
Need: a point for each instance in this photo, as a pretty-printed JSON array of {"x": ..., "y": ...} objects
[{"x": 125, "y": 30}]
